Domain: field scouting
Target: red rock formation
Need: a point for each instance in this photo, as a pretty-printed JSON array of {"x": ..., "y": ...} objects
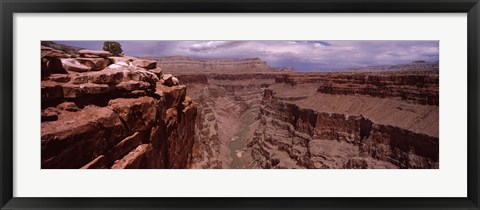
[
  {"x": 294, "y": 137},
  {"x": 418, "y": 87},
  {"x": 112, "y": 115},
  {"x": 289, "y": 136},
  {"x": 222, "y": 101}
]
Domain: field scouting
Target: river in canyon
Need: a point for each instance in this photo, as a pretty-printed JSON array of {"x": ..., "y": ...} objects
[{"x": 238, "y": 140}]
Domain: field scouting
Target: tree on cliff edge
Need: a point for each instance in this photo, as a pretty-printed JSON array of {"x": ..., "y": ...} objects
[{"x": 113, "y": 47}]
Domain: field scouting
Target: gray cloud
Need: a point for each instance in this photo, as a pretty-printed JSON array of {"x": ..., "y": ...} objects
[
  {"x": 302, "y": 55},
  {"x": 214, "y": 45}
]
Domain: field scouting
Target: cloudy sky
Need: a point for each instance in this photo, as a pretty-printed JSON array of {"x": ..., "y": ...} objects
[{"x": 302, "y": 55}]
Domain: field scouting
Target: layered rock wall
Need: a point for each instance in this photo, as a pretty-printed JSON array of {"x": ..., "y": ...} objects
[
  {"x": 418, "y": 87},
  {"x": 418, "y": 65},
  {"x": 184, "y": 64},
  {"x": 294, "y": 137},
  {"x": 222, "y": 101},
  {"x": 117, "y": 115}
]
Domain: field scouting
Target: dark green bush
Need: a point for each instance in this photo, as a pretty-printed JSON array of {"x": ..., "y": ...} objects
[{"x": 113, "y": 47}]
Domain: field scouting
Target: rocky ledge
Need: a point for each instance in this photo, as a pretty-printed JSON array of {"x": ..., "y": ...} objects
[
  {"x": 419, "y": 87},
  {"x": 102, "y": 111}
]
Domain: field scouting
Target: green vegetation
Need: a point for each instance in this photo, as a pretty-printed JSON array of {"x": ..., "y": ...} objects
[{"x": 113, "y": 47}]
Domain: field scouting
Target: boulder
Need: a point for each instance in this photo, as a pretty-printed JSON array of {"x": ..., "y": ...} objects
[
  {"x": 48, "y": 52},
  {"x": 167, "y": 76},
  {"x": 118, "y": 65},
  {"x": 52, "y": 66},
  {"x": 95, "y": 64},
  {"x": 147, "y": 64},
  {"x": 88, "y": 56},
  {"x": 72, "y": 64},
  {"x": 63, "y": 78},
  {"x": 157, "y": 71},
  {"x": 99, "y": 53},
  {"x": 169, "y": 80},
  {"x": 49, "y": 114},
  {"x": 124, "y": 59},
  {"x": 68, "y": 106},
  {"x": 175, "y": 81}
]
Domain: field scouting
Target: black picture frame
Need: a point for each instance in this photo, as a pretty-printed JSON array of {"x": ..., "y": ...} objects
[{"x": 10, "y": 7}]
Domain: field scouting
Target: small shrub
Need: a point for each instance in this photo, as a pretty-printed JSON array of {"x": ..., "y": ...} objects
[{"x": 113, "y": 47}]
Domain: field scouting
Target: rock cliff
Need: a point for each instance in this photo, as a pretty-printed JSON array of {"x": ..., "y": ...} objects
[
  {"x": 418, "y": 87},
  {"x": 418, "y": 65},
  {"x": 304, "y": 124},
  {"x": 100, "y": 111},
  {"x": 195, "y": 65},
  {"x": 293, "y": 137},
  {"x": 291, "y": 120},
  {"x": 224, "y": 102}
]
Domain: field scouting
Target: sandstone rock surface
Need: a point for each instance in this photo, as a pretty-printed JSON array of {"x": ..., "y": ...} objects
[
  {"x": 97, "y": 117},
  {"x": 75, "y": 65},
  {"x": 148, "y": 64},
  {"x": 95, "y": 64}
]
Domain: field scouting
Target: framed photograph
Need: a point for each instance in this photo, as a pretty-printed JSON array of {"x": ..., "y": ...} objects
[{"x": 239, "y": 105}]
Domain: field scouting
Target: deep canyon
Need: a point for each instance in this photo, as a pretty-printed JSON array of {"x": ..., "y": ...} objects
[{"x": 102, "y": 111}]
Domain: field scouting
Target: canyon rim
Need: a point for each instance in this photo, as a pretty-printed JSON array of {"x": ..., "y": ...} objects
[{"x": 291, "y": 104}]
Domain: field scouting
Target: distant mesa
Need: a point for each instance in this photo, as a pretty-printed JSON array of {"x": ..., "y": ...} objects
[
  {"x": 417, "y": 65},
  {"x": 187, "y": 64},
  {"x": 284, "y": 69},
  {"x": 419, "y": 61}
]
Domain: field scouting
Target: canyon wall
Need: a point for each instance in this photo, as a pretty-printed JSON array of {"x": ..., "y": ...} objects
[
  {"x": 315, "y": 120},
  {"x": 224, "y": 100},
  {"x": 418, "y": 87},
  {"x": 304, "y": 124},
  {"x": 294, "y": 137},
  {"x": 216, "y": 65},
  {"x": 418, "y": 65},
  {"x": 100, "y": 111}
]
